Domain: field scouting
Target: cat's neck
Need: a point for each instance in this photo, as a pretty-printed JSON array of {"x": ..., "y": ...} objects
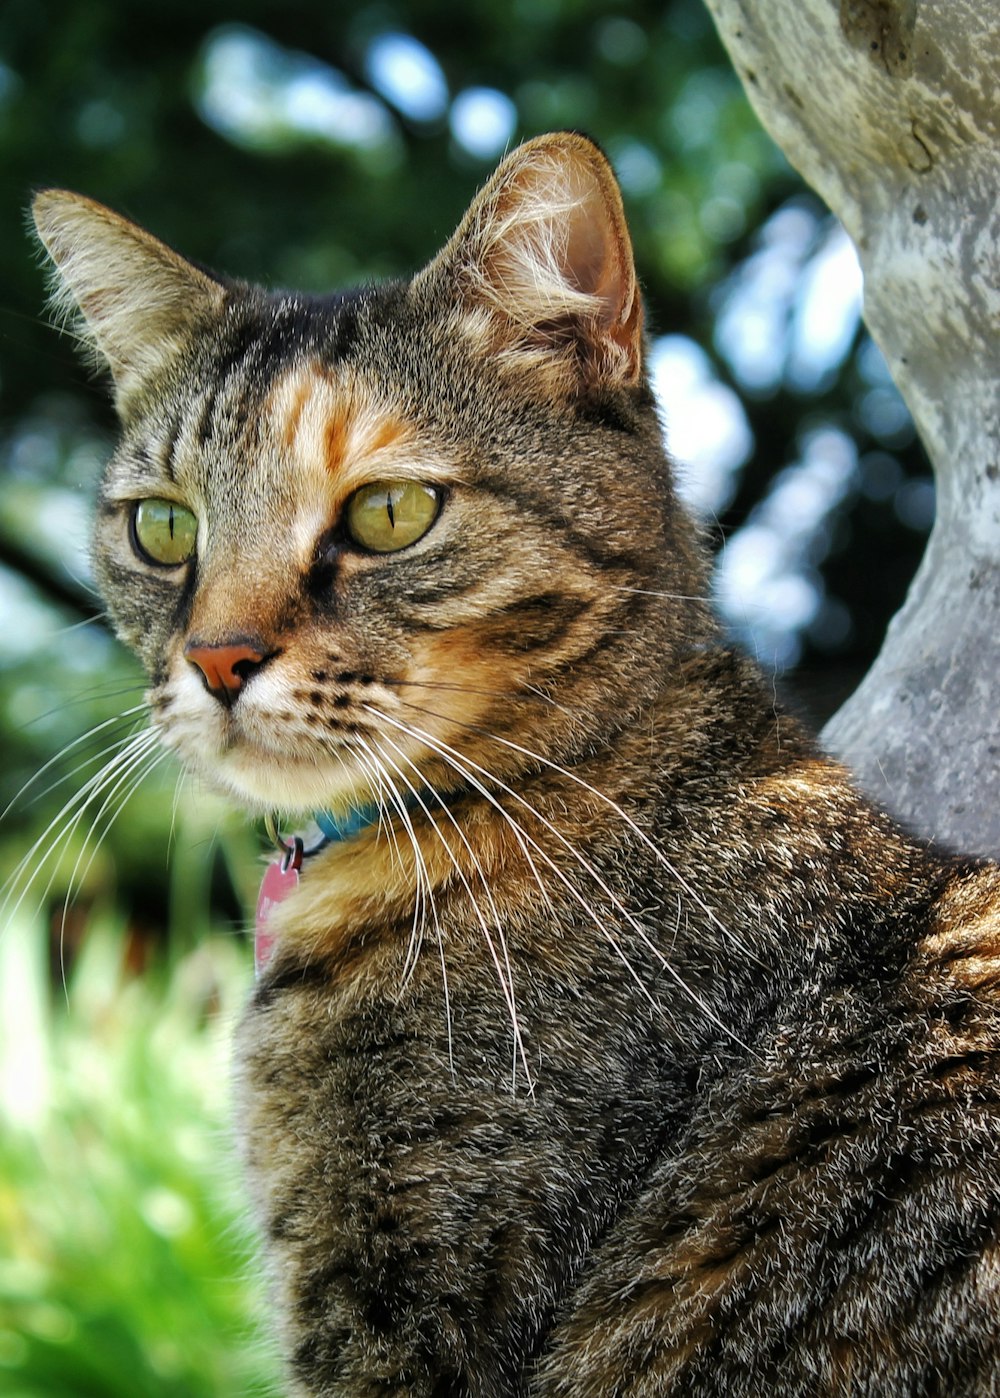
[{"x": 712, "y": 778}]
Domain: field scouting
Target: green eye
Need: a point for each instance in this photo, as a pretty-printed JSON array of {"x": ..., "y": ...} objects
[
  {"x": 390, "y": 515},
  {"x": 164, "y": 532}
]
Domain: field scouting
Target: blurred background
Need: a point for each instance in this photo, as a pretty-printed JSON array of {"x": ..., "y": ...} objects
[{"x": 317, "y": 145}]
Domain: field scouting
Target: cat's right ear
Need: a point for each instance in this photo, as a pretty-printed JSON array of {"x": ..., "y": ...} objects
[
  {"x": 130, "y": 298},
  {"x": 542, "y": 269}
]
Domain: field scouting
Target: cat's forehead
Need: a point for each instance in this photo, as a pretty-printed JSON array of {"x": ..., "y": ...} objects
[
  {"x": 269, "y": 457},
  {"x": 343, "y": 426}
]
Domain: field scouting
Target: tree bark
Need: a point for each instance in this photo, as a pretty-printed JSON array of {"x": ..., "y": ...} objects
[{"x": 889, "y": 109}]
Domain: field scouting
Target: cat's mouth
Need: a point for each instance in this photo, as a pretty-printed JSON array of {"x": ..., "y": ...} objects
[
  {"x": 278, "y": 745},
  {"x": 271, "y": 746},
  {"x": 303, "y": 732},
  {"x": 275, "y": 769}
]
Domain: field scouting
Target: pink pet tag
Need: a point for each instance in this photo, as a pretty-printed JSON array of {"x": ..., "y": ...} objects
[{"x": 280, "y": 879}]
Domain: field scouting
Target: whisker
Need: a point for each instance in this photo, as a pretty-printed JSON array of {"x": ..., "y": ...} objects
[
  {"x": 88, "y": 696},
  {"x": 424, "y": 898},
  {"x": 85, "y": 765},
  {"x": 650, "y": 844},
  {"x": 99, "y": 619},
  {"x": 668, "y": 596},
  {"x": 82, "y": 797},
  {"x": 456, "y": 760},
  {"x": 175, "y": 806},
  {"x": 506, "y": 980},
  {"x": 91, "y": 790},
  {"x": 67, "y": 748},
  {"x": 383, "y": 784},
  {"x": 457, "y": 764},
  {"x": 140, "y": 769},
  {"x": 509, "y": 983},
  {"x": 369, "y": 762},
  {"x": 527, "y": 693}
]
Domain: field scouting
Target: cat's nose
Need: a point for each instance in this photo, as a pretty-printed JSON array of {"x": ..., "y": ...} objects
[{"x": 225, "y": 668}]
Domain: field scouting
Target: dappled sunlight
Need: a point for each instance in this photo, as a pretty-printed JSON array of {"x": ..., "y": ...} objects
[{"x": 260, "y": 95}]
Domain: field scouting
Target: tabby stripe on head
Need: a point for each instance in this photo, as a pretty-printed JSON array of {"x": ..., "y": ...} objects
[
  {"x": 203, "y": 430},
  {"x": 553, "y": 516},
  {"x": 169, "y": 446}
]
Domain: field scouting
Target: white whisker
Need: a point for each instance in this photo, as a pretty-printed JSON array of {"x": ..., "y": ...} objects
[
  {"x": 67, "y": 748},
  {"x": 667, "y": 596},
  {"x": 62, "y": 826},
  {"x": 423, "y": 899},
  {"x": 504, "y": 971},
  {"x": 458, "y": 760},
  {"x": 140, "y": 768},
  {"x": 457, "y": 763},
  {"x": 650, "y": 844},
  {"x": 371, "y": 765}
]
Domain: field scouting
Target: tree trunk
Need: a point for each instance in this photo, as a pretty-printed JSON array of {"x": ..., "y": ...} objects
[{"x": 889, "y": 109}]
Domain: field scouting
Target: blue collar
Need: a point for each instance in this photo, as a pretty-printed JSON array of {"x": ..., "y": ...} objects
[
  {"x": 333, "y": 828},
  {"x": 337, "y": 827}
]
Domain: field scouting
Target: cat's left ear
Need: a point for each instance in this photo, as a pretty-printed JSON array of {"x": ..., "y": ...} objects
[
  {"x": 139, "y": 302},
  {"x": 542, "y": 264}
]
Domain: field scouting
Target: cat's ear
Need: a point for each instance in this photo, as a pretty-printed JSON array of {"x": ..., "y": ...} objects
[
  {"x": 544, "y": 262},
  {"x": 132, "y": 299}
]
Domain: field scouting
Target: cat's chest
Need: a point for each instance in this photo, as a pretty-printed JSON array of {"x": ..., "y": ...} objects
[{"x": 405, "y": 1164}]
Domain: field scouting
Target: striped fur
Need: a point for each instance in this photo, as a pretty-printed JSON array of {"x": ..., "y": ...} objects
[{"x": 633, "y": 1052}]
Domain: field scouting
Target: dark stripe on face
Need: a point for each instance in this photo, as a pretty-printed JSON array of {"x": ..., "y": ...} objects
[
  {"x": 435, "y": 591},
  {"x": 167, "y": 450},
  {"x": 203, "y": 430},
  {"x": 608, "y": 637},
  {"x": 555, "y": 520},
  {"x": 541, "y": 621}
]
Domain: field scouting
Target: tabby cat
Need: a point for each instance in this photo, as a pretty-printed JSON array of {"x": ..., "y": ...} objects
[{"x": 610, "y": 1043}]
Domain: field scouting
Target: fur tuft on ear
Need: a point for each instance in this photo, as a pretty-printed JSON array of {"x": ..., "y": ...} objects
[
  {"x": 544, "y": 252},
  {"x": 130, "y": 299}
]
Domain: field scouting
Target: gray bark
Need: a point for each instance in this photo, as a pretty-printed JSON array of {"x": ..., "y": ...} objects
[{"x": 889, "y": 109}]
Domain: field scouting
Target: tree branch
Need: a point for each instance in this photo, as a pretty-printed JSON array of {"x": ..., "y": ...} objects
[{"x": 888, "y": 109}]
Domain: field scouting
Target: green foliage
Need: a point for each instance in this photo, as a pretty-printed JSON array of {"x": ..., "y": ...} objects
[{"x": 125, "y": 1266}]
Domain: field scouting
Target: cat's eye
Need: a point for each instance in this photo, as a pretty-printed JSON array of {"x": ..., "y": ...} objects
[
  {"x": 164, "y": 532},
  {"x": 389, "y": 515}
]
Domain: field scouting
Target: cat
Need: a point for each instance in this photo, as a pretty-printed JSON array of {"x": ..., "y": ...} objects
[{"x": 609, "y": 1043}]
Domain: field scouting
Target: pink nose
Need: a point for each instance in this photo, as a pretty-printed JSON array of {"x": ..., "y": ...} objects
[{"x": 225, "y": 668}]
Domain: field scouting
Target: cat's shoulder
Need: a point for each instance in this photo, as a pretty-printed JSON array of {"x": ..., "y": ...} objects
[{"x": 828, "y": 1196}]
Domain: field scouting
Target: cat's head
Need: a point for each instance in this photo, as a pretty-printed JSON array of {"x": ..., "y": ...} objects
[{"x": 383, "y": 535}]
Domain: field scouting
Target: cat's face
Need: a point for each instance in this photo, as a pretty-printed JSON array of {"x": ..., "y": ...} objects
[{"x": 401, "y": 537}]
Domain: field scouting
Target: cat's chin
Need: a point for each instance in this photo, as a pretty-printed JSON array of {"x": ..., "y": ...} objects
[{"x": 264, "y": 782}]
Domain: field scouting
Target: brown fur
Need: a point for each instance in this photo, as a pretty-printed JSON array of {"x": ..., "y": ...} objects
[{"x": 631, "y": 1051}]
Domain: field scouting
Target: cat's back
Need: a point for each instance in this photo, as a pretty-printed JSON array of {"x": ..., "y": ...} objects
[{"x": 829, "y": 1223}]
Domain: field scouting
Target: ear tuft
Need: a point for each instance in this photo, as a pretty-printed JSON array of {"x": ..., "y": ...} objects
[
  {"x": 545, "y": 251},
  {"x": 131, "y": 300}
]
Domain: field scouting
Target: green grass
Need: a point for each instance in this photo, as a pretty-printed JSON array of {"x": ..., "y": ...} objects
[{"x": 126, "y": 1266}]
